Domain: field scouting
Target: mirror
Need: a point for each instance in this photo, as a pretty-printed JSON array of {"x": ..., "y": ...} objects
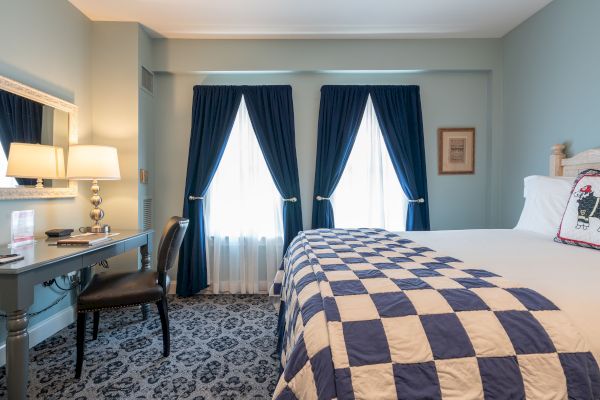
[
  {"x": 30, "y": 116},
  {"x": 26, "y": 121}
]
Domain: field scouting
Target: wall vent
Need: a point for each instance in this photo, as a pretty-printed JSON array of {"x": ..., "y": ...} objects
[
  {"x": 147, "y": 214},
  {"x": 147, "y": 80}
]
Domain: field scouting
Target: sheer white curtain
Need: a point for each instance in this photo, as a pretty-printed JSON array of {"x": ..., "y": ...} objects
[
  {"x": 243, "y": 216},
  {"x": 369, "y": 194}
]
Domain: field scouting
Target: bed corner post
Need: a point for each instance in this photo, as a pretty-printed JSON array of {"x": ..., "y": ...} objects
[{"x": 558, "y": 154}]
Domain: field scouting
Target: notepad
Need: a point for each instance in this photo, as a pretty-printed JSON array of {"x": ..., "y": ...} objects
[
  {"x": 85, "y": 239},
  {"x": 8, "y": 258}
]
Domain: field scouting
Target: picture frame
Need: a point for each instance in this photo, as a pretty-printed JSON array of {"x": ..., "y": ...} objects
[{"x": 456, "y": 151}]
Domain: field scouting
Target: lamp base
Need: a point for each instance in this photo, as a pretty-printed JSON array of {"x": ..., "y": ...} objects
[
  {"x": 96, "y": 229},
  {"x": 96, "y": 214}
]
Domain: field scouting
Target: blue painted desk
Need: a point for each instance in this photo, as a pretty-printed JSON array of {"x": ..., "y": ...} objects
[{"x": 42, "y": 263}]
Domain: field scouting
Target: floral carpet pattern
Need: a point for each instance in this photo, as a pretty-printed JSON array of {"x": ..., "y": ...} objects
[{"x": 222, "y": 347}]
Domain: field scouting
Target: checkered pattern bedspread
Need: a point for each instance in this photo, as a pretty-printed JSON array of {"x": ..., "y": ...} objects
[{"x": 370, "y": 315}]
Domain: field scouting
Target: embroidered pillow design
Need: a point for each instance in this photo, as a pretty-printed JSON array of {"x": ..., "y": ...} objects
[{"x": 580, "y": 224}]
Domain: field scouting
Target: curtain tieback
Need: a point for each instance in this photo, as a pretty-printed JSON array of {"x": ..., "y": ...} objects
[
  {"x": 421, "y": 200},
  {"x": 321, "y": 198},
  {"x": 194, "y": 198},
  {"x": 291, "y": 199}
]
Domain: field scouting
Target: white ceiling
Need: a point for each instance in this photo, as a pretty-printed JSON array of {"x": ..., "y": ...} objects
[{"x": 317, "y": 18}]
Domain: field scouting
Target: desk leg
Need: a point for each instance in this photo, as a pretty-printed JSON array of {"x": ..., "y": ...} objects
[
  {"x": 146, "y": 266},
  {"x": 85, "y": 275},
  {"x": 17, "y": 355}
]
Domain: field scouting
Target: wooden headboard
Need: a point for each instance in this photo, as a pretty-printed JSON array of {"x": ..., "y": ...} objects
[{"x": 560, "y": 165}]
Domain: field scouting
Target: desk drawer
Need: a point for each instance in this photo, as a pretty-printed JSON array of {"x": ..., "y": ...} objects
[
  {"x": 103, "y": 254},
  {"x": 47, "y": 272},
  {"x": 136, "y": 242}
]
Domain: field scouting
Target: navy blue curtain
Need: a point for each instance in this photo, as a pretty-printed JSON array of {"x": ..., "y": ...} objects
[
  {"x": 20, "y": 121},
  {"x": 340, "y": 113},
  {"x": 271, "y": 112},
  {"x": 213, "y": 114},
  {"x": 398, "y": 109}
]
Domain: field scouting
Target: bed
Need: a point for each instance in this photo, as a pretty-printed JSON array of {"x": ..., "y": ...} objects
[{"x": 374, "y": 314}]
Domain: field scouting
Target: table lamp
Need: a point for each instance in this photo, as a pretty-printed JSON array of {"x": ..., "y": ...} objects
[
  {"x": 93, "y": 163},
  {"x": 35, "y": 161}
]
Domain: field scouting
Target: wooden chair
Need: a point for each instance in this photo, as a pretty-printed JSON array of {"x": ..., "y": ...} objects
[{"x": 117, "y": 290}]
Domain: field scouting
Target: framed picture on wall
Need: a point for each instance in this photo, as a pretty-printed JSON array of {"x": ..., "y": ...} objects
[{"x": 456, "y": 151}]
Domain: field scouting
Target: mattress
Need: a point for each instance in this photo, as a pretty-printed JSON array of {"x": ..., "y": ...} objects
[
  {"x": 567, "y": 275},
  {"x": 367, "y": 313}
]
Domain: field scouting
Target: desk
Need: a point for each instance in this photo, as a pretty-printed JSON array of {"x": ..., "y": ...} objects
[{"x": 42, "y": 263}]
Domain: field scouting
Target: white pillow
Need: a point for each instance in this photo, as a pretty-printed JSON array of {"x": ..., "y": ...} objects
[{"x": 545, "y": 202}]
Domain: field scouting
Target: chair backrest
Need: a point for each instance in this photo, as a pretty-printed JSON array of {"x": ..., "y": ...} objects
[{"x": 170, "y": 242}]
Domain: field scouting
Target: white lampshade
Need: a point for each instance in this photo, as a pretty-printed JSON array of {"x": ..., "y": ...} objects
[
  {"x": 26, "y": 160},
  {"x": 89, "y": 162}
]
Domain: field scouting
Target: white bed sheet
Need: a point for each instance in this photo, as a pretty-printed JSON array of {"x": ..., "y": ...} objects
[{"x": 567, "y": 275}]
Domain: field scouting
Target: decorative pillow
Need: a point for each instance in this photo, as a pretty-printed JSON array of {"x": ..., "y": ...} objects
[{"x": 580, "y": 225}]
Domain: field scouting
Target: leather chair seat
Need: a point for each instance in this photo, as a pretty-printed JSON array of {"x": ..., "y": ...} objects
[{"x": 114, "y": 290}]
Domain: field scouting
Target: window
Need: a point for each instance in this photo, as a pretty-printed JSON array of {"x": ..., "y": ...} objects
[
  {"x": 369, "y": 194},
  {"x": 5, "y": 181},
  {"x": 243, "y": 216}
]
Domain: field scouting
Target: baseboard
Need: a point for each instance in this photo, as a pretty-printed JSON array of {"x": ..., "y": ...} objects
[
  {"x": 44, "y": 329},
  {"x": 173, "y": 287}
]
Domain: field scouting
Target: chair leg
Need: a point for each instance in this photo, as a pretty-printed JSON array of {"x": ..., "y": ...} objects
[
  {"x": 81, "y": 319},
  {"x": 96, "y": 323},
  {"x": 164, "y": 321}
]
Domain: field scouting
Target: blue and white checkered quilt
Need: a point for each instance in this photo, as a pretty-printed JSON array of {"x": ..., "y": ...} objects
[{"x": 367, "y": 314}]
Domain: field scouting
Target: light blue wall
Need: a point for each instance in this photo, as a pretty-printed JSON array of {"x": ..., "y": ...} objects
[
  {"x": 184, "y": 57},
  {"x": 45, "y": 44},
  {"x": 551, "y": 92}
]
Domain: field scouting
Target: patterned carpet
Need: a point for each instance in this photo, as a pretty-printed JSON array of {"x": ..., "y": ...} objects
[{"x": 222, "y": 347}]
